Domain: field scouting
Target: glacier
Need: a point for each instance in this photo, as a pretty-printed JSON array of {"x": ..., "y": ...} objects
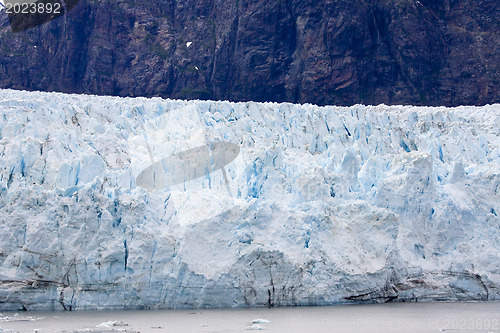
[{"x": 317, "y": 206}]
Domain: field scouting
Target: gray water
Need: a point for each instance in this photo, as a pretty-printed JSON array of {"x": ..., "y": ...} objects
[{"x": 396, "y": 317}]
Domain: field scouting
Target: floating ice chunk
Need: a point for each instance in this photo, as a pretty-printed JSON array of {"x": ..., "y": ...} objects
[
  {"x": 188, "y": 44},
  {"x": 115, "y": 323},
  {"x": 260, "y": 321},
  {"x": 255, "y": 327},
  {"x": 3, "y": 330}
]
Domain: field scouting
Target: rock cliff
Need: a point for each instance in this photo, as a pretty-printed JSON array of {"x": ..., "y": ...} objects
[{"x": 318, "y": 51}]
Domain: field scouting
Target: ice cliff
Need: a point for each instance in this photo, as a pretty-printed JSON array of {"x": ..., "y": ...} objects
[{"x": 314, "y": 206}]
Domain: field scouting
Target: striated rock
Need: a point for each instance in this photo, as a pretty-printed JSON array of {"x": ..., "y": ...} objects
[{"x": 322, "y": 52}]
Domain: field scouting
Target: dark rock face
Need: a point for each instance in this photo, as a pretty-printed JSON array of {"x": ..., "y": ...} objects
[{"x": 424, "y": 52}]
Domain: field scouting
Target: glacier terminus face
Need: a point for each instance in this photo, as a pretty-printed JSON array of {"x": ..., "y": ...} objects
[{"x": 135, "y": 203}]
